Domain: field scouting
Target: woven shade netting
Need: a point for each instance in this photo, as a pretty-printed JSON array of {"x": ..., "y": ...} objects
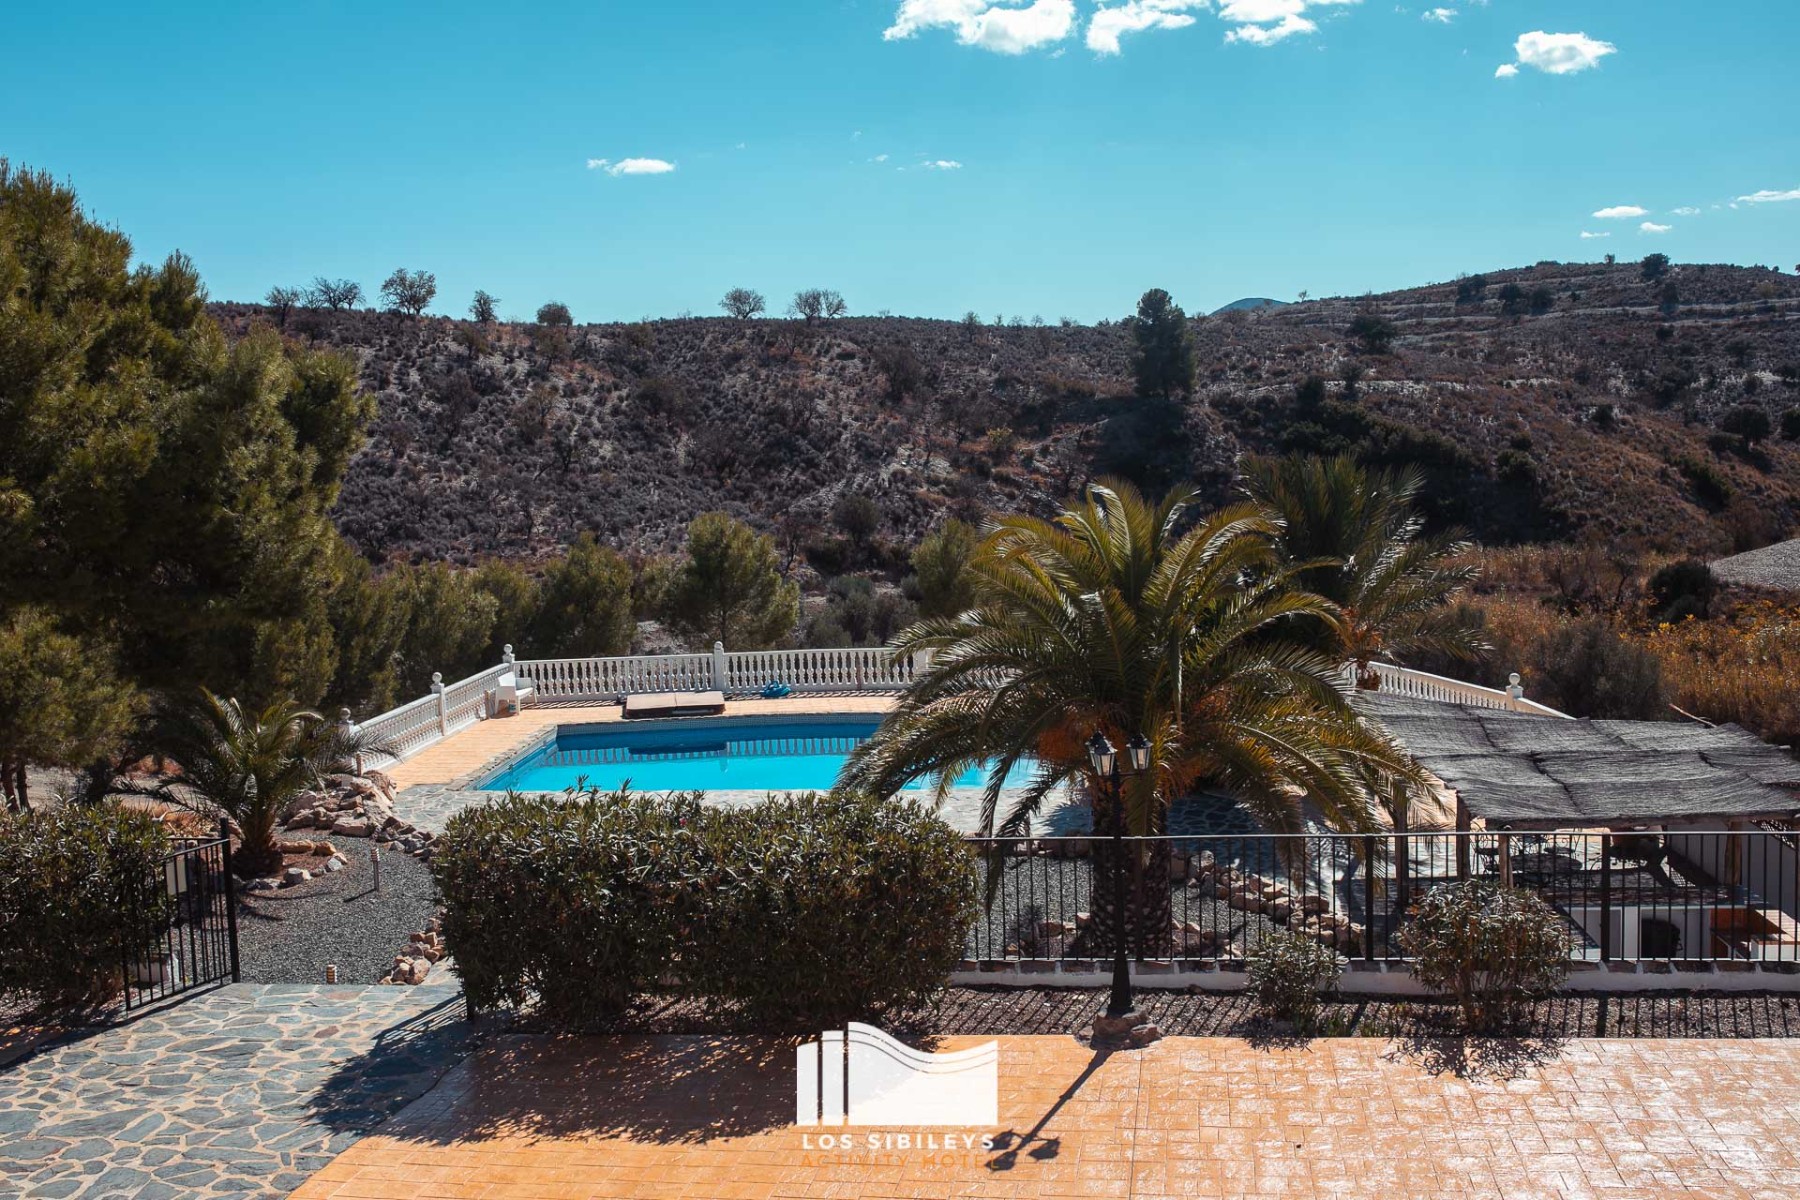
[{"x": 1517, "y": 768}]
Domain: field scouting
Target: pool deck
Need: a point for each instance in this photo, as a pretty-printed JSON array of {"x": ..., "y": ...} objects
[{"x": 462, "y": 756}]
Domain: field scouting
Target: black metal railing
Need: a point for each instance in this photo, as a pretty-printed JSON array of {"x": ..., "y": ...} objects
[
  {"x": 181, "y": 924},
  {"x": 1663, "y": 897}
]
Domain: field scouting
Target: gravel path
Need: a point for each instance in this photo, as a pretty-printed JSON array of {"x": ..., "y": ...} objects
[{"x": 289, "y": 936}]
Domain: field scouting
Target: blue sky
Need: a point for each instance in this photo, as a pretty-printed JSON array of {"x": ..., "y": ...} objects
[{"x": 1231, "y": 148}]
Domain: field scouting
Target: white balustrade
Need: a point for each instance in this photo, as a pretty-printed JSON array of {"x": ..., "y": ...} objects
[
  {"x": 1420, "y": 685},
  {"x": 411, "y": 727}
]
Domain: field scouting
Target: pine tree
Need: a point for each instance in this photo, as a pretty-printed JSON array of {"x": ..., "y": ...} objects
[{"x": 1164, "y": 360}]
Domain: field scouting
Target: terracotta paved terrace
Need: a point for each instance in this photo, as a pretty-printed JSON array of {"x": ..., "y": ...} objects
[{"x": 674, "y": 1117}]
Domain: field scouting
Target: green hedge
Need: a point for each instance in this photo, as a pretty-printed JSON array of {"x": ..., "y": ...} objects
[
  {"x": 794, "y": 913},
  {"x": 64, "y": 930}
]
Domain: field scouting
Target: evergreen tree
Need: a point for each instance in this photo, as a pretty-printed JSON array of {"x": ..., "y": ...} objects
[
  {"x": 1164, "y": 359},
  {"x": 584, "y": 605},
  {"x": 730, "y": 588},
  {"x": 940, "y": 570},
  {"x": 62, "y": 703},
  {"x": 160, "y": 482},
  {"x": 450, "y": 624}
]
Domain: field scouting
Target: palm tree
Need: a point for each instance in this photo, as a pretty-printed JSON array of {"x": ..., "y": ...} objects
[
  {"x": 1353, "y": 536},
  {"x": 1109, "y": 619},
  {"x": 247, "y": 766}
]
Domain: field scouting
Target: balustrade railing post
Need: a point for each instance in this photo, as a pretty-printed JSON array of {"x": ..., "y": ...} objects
[
  {"x": 347, "y": 730},
  {"x": 1368, "y": 897},
  {"x": 237, "y": 974},
  {"x": 1606, "y": 937},
  {"x": 720, "y": 667},
  {"x": 443, "y": 704}
]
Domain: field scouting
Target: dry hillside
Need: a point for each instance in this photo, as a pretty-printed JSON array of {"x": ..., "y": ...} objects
[{"x": 1599, "y": 414}]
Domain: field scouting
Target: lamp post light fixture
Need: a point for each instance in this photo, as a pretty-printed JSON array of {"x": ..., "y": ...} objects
[{"x": 1104, "y": 759}]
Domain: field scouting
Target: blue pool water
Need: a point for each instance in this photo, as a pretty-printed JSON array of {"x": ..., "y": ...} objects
[{"x": 702, "y": 756}]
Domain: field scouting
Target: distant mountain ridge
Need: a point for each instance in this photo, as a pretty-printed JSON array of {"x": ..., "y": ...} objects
[
  {"x": 1598, "y": 416},
  {"x": 1249, "y": 303}
]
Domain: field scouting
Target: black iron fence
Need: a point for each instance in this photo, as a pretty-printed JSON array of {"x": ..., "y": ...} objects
[
  {"x": 1666, "y": 896},
  {"x": 181, "y": 926}
]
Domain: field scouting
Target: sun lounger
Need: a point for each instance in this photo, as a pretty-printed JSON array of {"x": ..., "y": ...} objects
[{"x": 674, "y": 704}]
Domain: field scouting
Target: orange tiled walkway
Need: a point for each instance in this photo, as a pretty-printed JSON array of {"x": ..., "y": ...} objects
[
  {"x": 671, "y": 1117},
  {"x": 465, "y": 752}
]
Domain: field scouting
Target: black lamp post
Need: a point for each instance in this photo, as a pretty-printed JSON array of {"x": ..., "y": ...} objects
[{"x": 1105, "y": 761}]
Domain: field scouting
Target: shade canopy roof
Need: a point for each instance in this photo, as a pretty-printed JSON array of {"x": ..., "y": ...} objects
[{"x": 1546, "y": 772}]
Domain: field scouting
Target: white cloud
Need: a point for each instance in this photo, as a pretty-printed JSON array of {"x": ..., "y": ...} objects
[
  {"x": 1653, "y": 227},
  {"x": 1505, "y": 71},
  {"x": 1265, "y": 22},
  {"x": 1621, "y": 212},
  {"x": 1017, "y": 26},
  {"x": 1557, "y": 53},
  {"x": 1589, "y": 237},
  {"x": 879, "y": 158},
  {"x": 1004, "y": 30},
  {"x": 1443, "y": 16},
  {"x": 631, "y": 166},
  {"x": 1768, "y": 197},
  {"x": 942, "y": 164},
  {"x": 1134, "y": 16},
  {"x": 1688, "y": 211}
]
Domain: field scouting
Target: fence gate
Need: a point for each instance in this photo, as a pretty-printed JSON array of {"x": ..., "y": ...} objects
[{"x": 182, "y": 927}]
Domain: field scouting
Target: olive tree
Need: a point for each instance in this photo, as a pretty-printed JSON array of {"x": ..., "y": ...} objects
[
  {"x": 335, "y": 294},
  {"x": 410, "y": 292},
  {"x": 743, "y": 303}
]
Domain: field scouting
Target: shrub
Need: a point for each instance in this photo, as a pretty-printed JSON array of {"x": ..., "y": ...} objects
[
  {"x": 571, "y": 904},
  {"x": 1288, "y": 972},
  {"x": 1745, "y": 669},
  {"x": 1749, "y": 422},
  {"x": 64, "y": 929},
  {"x": 1683, "y": 589},
  {"x": 792, "y": 912},
  {"x": 1375, "y": 332},
  {"x": 1492, "y": 949},
  {"x": 835, "y": 907},
  {"x": 1587, "y": 669},
  {"x": 1711, "y": 488}
]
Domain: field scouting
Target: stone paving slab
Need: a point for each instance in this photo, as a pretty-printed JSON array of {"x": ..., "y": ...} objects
[
  {"x": 242, "y": 1092},
  {"x": 536, "y": 1118}
]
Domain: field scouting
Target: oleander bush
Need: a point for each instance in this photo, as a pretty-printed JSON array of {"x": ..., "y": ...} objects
[
  {"x": 1290, "y": 974},
  {"x": 66, "y": 877},
  {"x": 831, "y": 907},
  {"x": 792, "y": 913},
  {"x": 1492, "y": 949}
]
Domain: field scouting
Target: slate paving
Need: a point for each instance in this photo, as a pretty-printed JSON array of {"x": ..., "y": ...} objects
[{"x": 240, "y": 1093}]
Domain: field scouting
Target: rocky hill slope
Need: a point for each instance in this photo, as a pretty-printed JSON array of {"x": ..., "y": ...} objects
[{"x": 1563, "y": 400}]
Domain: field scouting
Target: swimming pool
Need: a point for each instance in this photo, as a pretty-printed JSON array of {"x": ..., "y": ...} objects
[{"x": 738, "y": 754}]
